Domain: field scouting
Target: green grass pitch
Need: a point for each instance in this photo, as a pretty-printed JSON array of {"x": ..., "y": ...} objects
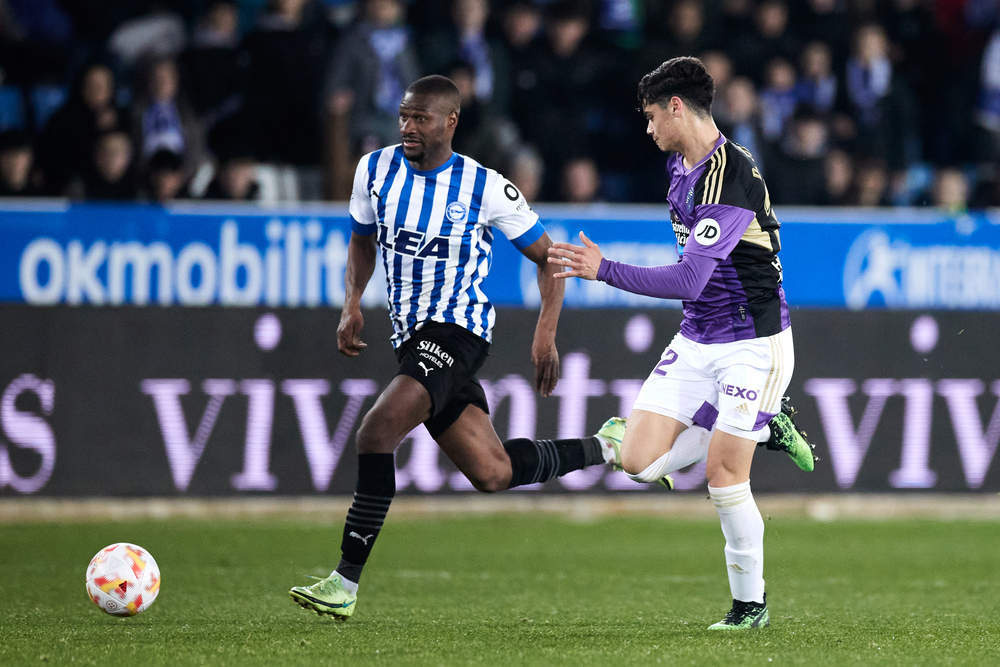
[{"x": 511, "y": 590}]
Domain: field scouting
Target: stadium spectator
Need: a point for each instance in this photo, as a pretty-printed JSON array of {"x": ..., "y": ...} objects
[
  {"x": 770, "y": 39},
  {"x": 740, "y": 120},
  {"x": 950, "y": 190},
  {"x": 720, "y": 67},
  {"x": 111, "y": 174},
  {"x": 288, "y": 52},
  {"x": 684, "y": 32},
  {"x": 16, "y": 162},
  {"x": 166, "y": 177},
  {"x": 163, "y": 119},
  {"x": 212, "y": 66},
  {"x": 881, "y": 104},
  {"x": 581, "y": 182},
  {"x": 372, "y": 66},
  {"x": 824, "y": 22},
  {"x": 65, "y": 147},
  {"x": 838, "y": 178},
  {"x": 521, "y": 25},
  {"x": 528, "y": 172},
  {"x": 871, "y": 183},
  {"x": 817, "y": 84},
  {"x": 235, "y": 179},
  {"x": 796, "y": 176},
  {"x": 464, "y": 42},
  {"x": 557, "y": 90},
  {"x": 485, "y": 135},
  {"x": 778, "y": 99}
]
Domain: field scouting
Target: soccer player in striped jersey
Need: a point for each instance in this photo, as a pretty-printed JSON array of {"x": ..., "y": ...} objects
[
  {"x": 430, "y": 214},
  {"x": 717, "y": 390}
]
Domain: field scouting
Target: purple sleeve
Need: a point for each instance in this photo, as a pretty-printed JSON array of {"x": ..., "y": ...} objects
[
  {"x": 684, "y": 280},
  {"x": 718, "y": 230}
]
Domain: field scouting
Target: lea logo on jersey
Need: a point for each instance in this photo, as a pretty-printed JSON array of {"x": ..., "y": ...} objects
[{"x": 415, "y": 244}]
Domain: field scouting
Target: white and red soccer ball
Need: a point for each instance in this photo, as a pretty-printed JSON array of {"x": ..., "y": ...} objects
[{"x": 123, "y": 579}]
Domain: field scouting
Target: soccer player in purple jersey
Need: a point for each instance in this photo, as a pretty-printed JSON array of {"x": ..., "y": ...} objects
[{"x": 717, "y": 390}]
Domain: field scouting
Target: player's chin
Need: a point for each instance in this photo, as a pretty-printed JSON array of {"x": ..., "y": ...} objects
[{"x": 415, "y": 153}]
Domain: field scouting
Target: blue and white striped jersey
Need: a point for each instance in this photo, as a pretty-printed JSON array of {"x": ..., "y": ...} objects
[{"x": 435, "y": 233}]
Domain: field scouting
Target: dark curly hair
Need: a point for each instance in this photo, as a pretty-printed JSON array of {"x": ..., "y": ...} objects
[{"x": 683, "y": 77}]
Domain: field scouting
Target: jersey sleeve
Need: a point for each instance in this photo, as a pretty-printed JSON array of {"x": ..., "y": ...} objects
[
  {"x": 363, "y": 219},
  {"x": 508, "y": 211},
  {"x": 718, "y": 229}
]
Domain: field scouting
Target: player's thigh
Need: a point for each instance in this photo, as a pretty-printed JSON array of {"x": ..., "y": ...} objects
[
  {"x": 474, "y": 447},
  {"x": 752, "y": 376},
  {"x": 648, "y": 436},
  {"x": 729, "y": 459},
  {"x": 679, "y": 389},
  {"x": 403, "y": 406}
]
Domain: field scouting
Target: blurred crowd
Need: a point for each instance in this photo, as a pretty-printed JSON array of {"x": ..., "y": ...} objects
[{"x": 842, "y": 102}]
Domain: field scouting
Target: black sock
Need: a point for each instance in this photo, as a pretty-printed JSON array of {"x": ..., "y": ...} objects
[
  {"x": 373, "y": 494},
  {"x": 540, "y": 460}
]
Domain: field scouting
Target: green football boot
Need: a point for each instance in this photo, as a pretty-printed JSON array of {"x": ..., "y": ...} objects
[
  {"x": 745, "y": 615},
  {"x": 327, "y": 597},
  {"x": 613, "y": 432},
  {"x": 787, "y": 437}
]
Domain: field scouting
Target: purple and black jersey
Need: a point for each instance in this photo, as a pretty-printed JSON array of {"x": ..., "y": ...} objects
[{"x": 729, "y": 276}]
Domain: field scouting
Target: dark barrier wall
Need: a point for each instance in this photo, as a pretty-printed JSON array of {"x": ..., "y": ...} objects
[{"x": 221, "y": 401}]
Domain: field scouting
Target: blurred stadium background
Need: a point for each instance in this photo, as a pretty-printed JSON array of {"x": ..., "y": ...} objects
[{"x": 159, "y": 345}]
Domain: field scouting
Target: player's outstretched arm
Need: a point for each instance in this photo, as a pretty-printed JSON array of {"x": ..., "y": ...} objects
[
  {"x": 582, "y": 261},
  {"x": 544, "y": 355},
  {"x": 360, "y": 266}
]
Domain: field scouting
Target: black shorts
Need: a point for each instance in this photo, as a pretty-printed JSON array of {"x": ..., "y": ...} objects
[{"x": 445, "y": 358}]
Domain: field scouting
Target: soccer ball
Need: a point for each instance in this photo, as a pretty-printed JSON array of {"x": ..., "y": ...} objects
[{"x": 123, "y": 579}]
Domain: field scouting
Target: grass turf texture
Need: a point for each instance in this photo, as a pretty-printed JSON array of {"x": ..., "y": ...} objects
[{"x": 511, "y": 590}]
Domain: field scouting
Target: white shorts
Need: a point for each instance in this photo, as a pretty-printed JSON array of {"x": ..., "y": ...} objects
[{"x": 735, "y": 386}]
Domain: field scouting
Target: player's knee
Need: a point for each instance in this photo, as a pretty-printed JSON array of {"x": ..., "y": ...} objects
[
  {"x": 633, "y": 462},
  {"x": 719, "y": 475},
  {"x": 490, "y": 478},
  {"x": 373, "y": 437}
]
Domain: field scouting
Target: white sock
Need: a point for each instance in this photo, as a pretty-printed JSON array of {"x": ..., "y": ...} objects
[
  {"x": 349, "y": 586},
  {"x": 743, "y": 528},
  {"x": 691, "y": 446},
  {"x": 654, "y": 472}
]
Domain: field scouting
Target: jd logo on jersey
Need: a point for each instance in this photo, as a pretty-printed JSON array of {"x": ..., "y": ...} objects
[
  {"x": 707, "y": 232},
  {"x": 408, "y": 242}
]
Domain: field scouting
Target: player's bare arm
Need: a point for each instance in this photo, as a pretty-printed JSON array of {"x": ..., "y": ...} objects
[
  {"x": 582, "y": 261},
  {"x": 360, "y": 266},
  {"x": 544, "y": 355}
]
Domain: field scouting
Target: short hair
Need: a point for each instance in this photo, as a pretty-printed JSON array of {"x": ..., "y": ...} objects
[
  {"x": 439, "y": 86},
  {"x": 684, "y": 77}
]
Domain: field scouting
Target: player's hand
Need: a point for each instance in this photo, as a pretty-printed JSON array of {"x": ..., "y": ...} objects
[
  {"x": 349, "y": 332},
  {"x": 545, "y": 357},
  {"x": 583, "y": 262}
]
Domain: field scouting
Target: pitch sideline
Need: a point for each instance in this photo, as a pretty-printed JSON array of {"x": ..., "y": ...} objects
[{"x": 331, "y": 509}]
